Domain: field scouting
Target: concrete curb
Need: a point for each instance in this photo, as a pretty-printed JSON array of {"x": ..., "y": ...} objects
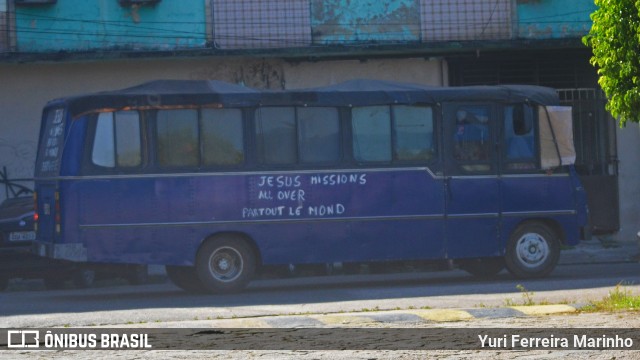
[{"x": 385, "y": 318}]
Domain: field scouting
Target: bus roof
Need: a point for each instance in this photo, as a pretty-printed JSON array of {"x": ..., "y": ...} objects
[{"x": 184, "y": 93}]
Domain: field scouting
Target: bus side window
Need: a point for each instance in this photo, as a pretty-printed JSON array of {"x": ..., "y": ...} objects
[
  {"x": 518, "y": 139},
  {"x": 471, "y": 138},
  {"x": 117, "y": 140},
  {"x": 318, "y": 135},
  {"x": 371, "y": 133},
  {"x": 275, "y": 132},
  {"x": 413, "y": 133},
  {"x": 301, "y": 135},
  {"x": 177, "y": 135},
  {"x": 222, "y": 137}
]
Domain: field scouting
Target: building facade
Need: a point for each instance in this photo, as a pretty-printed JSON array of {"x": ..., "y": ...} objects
[{"x": 55, "y": 48}]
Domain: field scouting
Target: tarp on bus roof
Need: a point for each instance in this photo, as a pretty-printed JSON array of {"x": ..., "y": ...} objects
[
  {"x": 158, "y": 93},
  {"x": 161, "y": 93},
  {"x": 369, "y": 92}
]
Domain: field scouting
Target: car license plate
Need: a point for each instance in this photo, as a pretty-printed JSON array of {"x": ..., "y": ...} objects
[{"x": 22, "y": 236}]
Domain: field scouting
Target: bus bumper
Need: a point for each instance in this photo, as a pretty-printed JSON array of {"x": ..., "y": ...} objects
[{"x": 71, "y": 252}]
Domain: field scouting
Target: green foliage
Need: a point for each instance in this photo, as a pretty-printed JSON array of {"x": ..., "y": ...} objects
[
  {"x": 615, "y": 41},
  {"x": 619, "y": 299},
  {"x": 527, "y": 298}
]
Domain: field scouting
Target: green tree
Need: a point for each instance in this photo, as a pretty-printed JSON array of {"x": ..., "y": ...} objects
[{"x": 615, "y": 42}]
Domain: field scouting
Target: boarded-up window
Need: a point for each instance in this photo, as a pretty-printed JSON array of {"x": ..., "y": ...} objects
[
  {"x": 247, "y": 24},
  {"x": 444, "y": 20}
]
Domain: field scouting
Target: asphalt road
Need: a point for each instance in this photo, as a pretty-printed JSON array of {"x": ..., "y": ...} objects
[{"x": 158, "y": 303}]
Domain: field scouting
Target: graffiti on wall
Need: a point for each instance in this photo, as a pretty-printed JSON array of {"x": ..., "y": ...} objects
[
  {"x": 18, "y": 160},
  {"x": 262, "y": 74}
]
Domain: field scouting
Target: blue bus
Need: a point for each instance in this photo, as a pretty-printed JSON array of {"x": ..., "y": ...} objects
[{"x": 215, "y": 180}]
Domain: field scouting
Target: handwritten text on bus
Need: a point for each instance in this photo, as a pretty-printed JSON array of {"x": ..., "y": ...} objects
[{"x": 289, "y": 196}]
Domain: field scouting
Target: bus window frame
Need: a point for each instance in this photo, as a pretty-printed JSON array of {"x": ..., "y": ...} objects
[
  {"x": 502, "y": 145},
  {"x": 258, "y": 160},
  {"x": 90, "y": 168},
  {"x": 433, "y": 163},
  {"x": 453, "y": 165},
  {"x": 156, "y": 167}
]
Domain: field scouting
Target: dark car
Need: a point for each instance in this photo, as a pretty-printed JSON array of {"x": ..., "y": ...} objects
[{"x": 17, "y": 260}]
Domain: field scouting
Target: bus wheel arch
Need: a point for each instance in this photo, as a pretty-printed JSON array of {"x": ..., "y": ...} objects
[
  {"x": 533, "y": 248},
  {"x": 226, "y": 262}
]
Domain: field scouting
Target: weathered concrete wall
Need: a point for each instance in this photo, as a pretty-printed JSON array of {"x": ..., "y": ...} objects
[
  {"x": 307, "y": 74},
  {"x": 629, "y": 181}
]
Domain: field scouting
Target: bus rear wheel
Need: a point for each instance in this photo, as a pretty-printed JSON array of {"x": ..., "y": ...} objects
[
  {"x": 533, "y": 250},
  {"x": 184, "y": 277},
  {"x": 225, "y": 264}
]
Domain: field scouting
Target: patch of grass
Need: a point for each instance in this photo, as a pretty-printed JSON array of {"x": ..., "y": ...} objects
[
  {"x": 619, "y": 299},
  {"x": 527, "y": 295},
  {"x": 370, "y": 310},
  {"x": 527, "y": 298}
]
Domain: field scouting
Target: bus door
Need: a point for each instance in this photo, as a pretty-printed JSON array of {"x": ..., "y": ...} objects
[
  {"x": 47, "y": 205},
  {"x": 471, "y": 183}
]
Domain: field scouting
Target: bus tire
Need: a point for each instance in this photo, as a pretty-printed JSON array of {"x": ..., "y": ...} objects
[
  {"x": 225, "y": 264},
  {"x": 483, "y": 267},
  {"x": 533, "y": 251},
  {"x": 184, "y": 277}
]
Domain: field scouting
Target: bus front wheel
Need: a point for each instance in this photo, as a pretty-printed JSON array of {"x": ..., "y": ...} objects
[
  {"x": 225, "y": 264},
  {"x": 533, "y": 250}
]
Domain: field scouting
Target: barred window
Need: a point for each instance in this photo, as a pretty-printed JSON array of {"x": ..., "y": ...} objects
[
  {"x": 4, "y": 34},
  {"x": 444, "y": 20},
  {"x": 246, "y": 24}
]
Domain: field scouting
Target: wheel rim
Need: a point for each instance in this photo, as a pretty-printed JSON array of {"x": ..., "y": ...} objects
[
  {"x": 225, "y": 264},
  {"x": 532, "y": 250}
]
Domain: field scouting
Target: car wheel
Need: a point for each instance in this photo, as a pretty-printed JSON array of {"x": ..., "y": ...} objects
[
  {"x": 225, "y": 264},
  {"x": 533, "y": 250}
]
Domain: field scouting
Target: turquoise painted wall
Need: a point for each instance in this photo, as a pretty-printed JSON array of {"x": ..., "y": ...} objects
[
  {"x": 349, "y": 21},
  {"x": 170, "y": 24},
  {"x": 104, "y": 24},
  {"x": 554, "y": 19}
]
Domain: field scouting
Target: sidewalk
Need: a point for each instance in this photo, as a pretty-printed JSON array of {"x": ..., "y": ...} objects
[{"x": 598, "y": 252}]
